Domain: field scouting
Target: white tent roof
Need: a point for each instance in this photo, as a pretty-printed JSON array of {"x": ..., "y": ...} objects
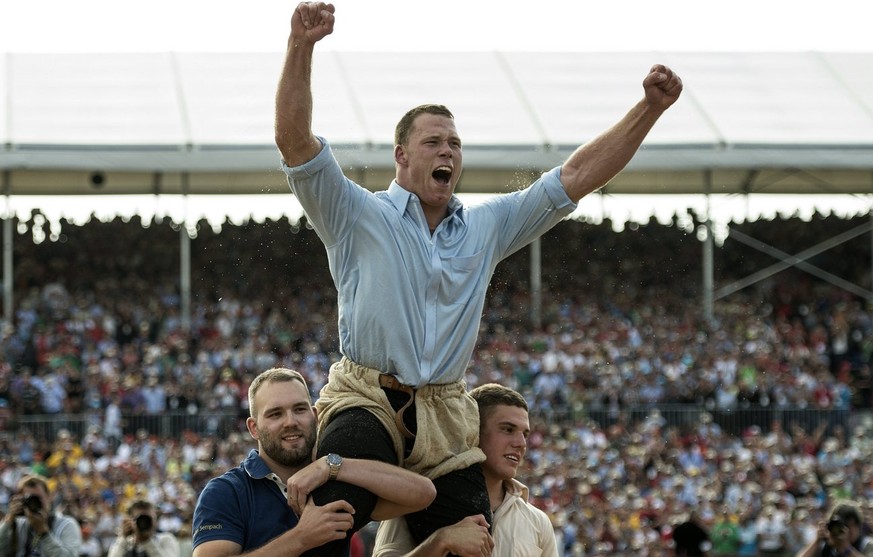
[
  {"x": 202, "y": 123},
  {"x": 186, "y": 111}
]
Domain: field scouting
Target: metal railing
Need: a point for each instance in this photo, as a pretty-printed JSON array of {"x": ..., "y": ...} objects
[
  {"x": 733, "y": 421},
  {"x": 165, "y": 426},
  {"x": 684, "y": 416}
]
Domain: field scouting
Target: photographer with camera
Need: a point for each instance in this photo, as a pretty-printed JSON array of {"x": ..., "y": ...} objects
[
  {"x": 139, "y": 536},
  {"x": 32, "y": 529},
  {"x": 842, "y": 535}
]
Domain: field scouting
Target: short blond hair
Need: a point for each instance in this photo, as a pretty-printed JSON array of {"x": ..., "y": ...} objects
[{"x": 274, "y": 375}]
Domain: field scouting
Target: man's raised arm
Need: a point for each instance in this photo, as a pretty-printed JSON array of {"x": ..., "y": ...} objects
[
  {"x": 311, "y": 22},
  {"x": 594, "y": 164}
]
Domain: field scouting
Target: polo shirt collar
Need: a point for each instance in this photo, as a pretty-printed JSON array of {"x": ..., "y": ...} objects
[
  {"x": 255, "y": 466},
  {"x": 257, "y": 469}
]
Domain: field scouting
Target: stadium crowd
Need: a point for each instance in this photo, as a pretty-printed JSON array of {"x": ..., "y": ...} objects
[{"x": 98, "y": 334}]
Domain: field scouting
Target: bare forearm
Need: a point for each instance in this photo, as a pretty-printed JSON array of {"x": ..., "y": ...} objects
[
  {"x": 311, "y": 22},
  {"x": 464, "y": 538},
  {"x": 290, "y": 544},
  {"x": 436, "y": 545},
  {"x": 294, "y": 136},
  {"x": 597, "y": 162}
]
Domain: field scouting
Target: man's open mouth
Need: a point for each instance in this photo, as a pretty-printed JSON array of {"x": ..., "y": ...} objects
[{"x": 443, "y": 175}]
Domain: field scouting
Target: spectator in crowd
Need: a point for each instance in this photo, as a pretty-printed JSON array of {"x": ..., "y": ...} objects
[
  {"x": 66, "y": 454},
  {"x": 53, "y": 394},
  {"x": 154, "y": 397},
  {"x": 27, "y": 393},
  {"x": 842, "y": 535},
  {"x": 725, "y": 535},
  {"x": 32, "y": 527},
  {"x": 138, "y": 535},
  {"x": 800, "y": 532},
  {"x": 265, "y": 503},
  {"x": 772, "y": 529},
  {"x": 112, "y": 419},
  {"x": 518, "y": 527},
  {"x": 691, "y": 537},
  {"x": 91, "y": 546}
]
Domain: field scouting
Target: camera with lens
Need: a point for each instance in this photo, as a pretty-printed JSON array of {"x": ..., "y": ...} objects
[
  {"x": 143, "y": 522},
  {"x": 32, "y": 503},
  {"x": 837, "y": 527}
]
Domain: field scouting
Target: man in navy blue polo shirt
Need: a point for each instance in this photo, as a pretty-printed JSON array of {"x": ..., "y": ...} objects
[{"x": 264, "y": 502}]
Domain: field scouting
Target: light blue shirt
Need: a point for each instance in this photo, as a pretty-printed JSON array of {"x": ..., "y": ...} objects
[{"x": 410, "y": 302}]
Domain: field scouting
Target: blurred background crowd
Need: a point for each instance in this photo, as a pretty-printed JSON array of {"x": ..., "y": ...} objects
[{"x": 642, "y": 409}]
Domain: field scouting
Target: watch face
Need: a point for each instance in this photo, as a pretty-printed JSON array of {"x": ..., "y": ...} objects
[{"x": 334, "y": 459}]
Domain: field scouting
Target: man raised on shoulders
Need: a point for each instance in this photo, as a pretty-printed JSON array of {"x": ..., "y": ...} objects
[{"x": 412, "y": 265}]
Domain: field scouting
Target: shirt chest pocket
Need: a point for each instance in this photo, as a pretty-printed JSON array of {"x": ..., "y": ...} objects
[{"x": 462, "y": 277}]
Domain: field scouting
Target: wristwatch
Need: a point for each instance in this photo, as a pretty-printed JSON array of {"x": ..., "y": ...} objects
[{"x": 334, "y": 461}]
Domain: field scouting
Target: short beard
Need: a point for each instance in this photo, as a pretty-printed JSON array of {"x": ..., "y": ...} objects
[{"x": 291, "y": 458}]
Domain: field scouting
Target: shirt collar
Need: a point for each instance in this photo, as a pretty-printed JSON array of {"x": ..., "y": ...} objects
[
  {"x": 401, "y": 197},
  {"x": 255, "y": 466},
  {"x": 257, "y": 469},
  {"x": 515, "y": 488},
  {"x": 514, "y": 493}
]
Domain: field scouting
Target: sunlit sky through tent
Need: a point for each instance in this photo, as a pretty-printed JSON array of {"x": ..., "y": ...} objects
[{"x": 448, "y": 25}]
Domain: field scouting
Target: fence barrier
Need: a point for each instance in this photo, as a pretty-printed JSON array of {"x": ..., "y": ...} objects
[{"x": 733, "y": 421}]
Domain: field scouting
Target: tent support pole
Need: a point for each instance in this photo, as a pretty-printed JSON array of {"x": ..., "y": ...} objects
[
  {"x": 185, "y": 262},
  {"x": 8, "y": 276},
  {"x": 536, "y": 284},
  {"x": 708, "y": 252}
]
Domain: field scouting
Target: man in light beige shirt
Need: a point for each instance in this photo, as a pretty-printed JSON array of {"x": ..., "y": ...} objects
[{"x": 519, "y": 529}]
